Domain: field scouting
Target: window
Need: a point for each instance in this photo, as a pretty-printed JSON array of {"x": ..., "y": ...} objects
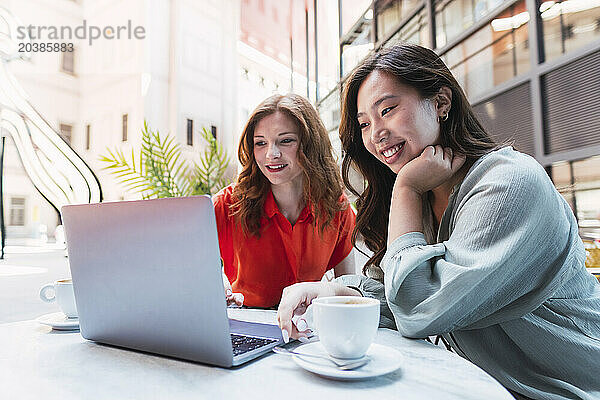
[
  {"x": 65, "y": 132},
  {"x": 68, "y": 62},
  {"x": 17, "y": 211},
  {"x": 568, "y": 25},
  {"x": 454, "y": 16},
  {"x": 213, "y": 131},
  {"x": 415, "y": 31},
  {"x": 87, "y": 137},
  {"x": 579, "y": 183},
  {"x": 190, "y": 132},
  {"x": 357, "y": 44},
  {"x": 494, "y": 54},
  {"x": 351, "y": 11},
  {"x": 390, "y": 13},
  {"x": 124, "y": 127}
]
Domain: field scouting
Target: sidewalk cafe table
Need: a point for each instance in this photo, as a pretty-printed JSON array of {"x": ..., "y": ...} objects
[{"x": 39, "y": 363}]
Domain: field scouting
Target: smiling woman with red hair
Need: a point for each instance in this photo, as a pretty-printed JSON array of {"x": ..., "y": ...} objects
[{"x": 286, "y": 219}]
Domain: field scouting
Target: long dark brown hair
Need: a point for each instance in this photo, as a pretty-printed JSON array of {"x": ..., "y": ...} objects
[
  {"x": 423, "y": 70},
  {"x": 322, "y": 183}
]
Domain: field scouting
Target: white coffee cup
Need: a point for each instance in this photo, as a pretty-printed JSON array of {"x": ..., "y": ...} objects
[
  {"x": 63, "y": 295},
  {"x": 346, "y": 325}
]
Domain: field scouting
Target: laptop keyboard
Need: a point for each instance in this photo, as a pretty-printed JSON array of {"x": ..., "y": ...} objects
[{"x": 243, "y": 344}]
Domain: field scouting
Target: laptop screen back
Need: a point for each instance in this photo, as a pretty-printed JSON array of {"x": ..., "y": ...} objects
[{"x": 146, "y": 275}]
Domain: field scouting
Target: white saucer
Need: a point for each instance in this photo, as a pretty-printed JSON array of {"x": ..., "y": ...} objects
[
  {"x": 384, "y": 360},
  {"x": 59, "y": 321}
]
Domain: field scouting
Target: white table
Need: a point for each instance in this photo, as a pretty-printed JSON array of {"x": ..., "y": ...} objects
[{"x": 39, "y": 363}]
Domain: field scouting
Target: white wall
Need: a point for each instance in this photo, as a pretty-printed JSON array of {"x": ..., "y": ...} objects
[{"x": 188, "y": 57}]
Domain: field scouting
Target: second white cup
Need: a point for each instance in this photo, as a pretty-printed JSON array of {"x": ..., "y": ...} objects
[{"x": 63, "y": 295}]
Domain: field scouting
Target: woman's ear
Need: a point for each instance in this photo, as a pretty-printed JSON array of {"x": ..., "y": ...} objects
[{"x": 443, "y": 101}]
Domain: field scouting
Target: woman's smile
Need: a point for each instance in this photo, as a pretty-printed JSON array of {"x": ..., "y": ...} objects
[
  {"x": 392, "y": 153},
  {"x": 275, "y": 168}
]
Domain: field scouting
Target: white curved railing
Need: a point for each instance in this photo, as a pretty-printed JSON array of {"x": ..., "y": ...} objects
[{"x": 55, "y": 169}]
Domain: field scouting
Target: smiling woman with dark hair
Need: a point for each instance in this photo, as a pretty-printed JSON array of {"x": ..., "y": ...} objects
[
  {"x": 286, "y": 219},
  {"x": 470, "y": 239}
]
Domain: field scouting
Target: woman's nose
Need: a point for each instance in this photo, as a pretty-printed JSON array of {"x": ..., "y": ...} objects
[
  {"x": 379, "y": 134},
  {"x": 273, "y": 152}
]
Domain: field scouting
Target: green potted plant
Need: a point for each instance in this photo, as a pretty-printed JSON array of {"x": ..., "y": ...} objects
[{"x": 160, "y": 170}]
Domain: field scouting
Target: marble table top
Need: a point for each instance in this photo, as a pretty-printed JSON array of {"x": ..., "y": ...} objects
[{"x": 39, "y": 363}]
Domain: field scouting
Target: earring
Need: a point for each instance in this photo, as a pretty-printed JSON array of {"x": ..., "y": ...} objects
[{"x": 445, "y": 117}]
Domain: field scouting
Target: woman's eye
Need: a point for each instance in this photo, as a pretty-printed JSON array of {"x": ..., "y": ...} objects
[
  {"x": 287, "y": 140},
  {"x": 363, "y": 125},
  {"x": 259, "y": 144},
  {"x": 387, "y": 110}
]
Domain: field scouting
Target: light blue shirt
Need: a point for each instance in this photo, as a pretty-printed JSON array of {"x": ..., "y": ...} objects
[{"x": 505, "y": 283}]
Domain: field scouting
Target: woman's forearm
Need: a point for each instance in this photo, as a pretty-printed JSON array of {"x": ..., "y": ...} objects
[{"x": 406, "y": 213}]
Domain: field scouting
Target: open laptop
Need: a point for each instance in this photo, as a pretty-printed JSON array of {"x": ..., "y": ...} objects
[{"x": 147, "y": 276}]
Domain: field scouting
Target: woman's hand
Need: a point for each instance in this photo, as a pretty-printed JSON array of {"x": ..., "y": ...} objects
[
  {"x": 433, "y": 167},
  {"x": 296, "y": 298},
  {"x": 236, "y": 299}
]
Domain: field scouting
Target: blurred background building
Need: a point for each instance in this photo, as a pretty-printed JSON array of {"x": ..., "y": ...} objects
[
  {"x": 180, "y": 77},
  {"x": 530, "y": 68}
]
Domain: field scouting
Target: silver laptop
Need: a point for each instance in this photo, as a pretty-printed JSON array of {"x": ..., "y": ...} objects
[{"x": 147, "y": 276}]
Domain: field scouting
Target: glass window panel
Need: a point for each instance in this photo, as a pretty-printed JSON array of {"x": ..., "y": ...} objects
[
  {"x": 124, "y": 127},
  {"x": 68, "y": 62},
  {"x": 415, "y": 31},
  {"x": 65, "y": 132},
  {"x": 479, "y": 70},
  {"x": 388, "y": 17},
  {"x": 587, "y": 195},
  {"x": 358, "y": 46},
  {"x": 553, "y": 45},
  {"x": 502, "y": 58},
  {"x": 521, "y": 38},
  {"x": 569, "y": 25},
  {"x": 494, "y": 54},
  {"x": 584, "y": 195},
  {"x": 390, "y": 13},
  {"x": 17, "y": 211},
  {"x": 561, "y": 175},
  {"x": 351, "y": 11},
  {"x": 454, "y": 16}
]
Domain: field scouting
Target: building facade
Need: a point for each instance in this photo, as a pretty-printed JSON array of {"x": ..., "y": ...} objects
[
  {"x": 181, "y": 74},
  {"x": 530, "y": 68}
]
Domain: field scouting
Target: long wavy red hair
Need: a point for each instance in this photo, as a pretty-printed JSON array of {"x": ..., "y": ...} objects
[{"x": 322, "y": 182}]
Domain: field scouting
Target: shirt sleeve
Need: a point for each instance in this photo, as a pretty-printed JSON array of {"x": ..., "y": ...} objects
[
  {"x": 510, "y": 248},
  {"x": 343, "y": 245}
]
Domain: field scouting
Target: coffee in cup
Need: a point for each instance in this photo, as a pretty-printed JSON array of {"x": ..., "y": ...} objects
[
  {"x": 346, "y": 325},
  {"x": 63, "y": 295}
]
